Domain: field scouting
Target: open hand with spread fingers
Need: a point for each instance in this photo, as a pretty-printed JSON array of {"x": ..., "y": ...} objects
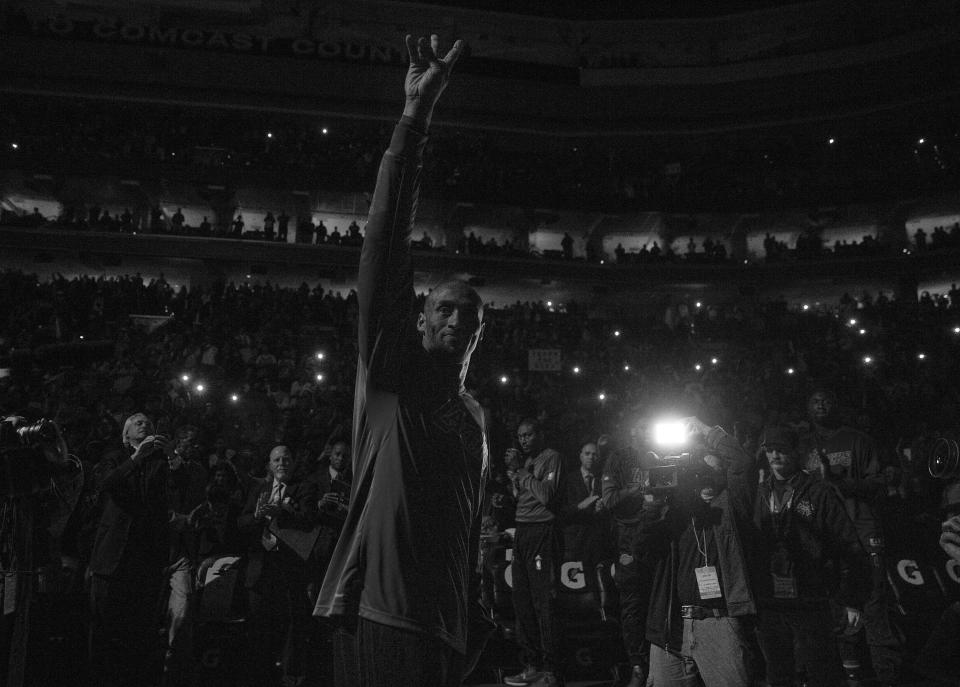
[{"x": 427, "y": 76}]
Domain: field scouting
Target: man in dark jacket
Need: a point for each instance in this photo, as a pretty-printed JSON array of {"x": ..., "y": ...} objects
[
  {"x": 586, "y": 522},
  {"x": 701, "y": 588},
  {"x": 276, "y": 520},
  {"x": 129, "y": 556},
  {"x": 624, "y": 498},
  {"x": 808, "y": 552},
  {"x": 399, "y": 581},
  {"x": 848, "y": 460}
]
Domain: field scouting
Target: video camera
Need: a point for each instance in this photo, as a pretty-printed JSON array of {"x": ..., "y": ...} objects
[
  {"x": 680, "y": 461},
  {"x": 30, "y": 455}
]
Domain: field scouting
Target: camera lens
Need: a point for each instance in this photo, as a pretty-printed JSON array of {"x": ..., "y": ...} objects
[{"x": 944, "y": 462}]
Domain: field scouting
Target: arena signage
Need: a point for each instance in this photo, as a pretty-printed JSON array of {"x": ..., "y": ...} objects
[
  {"x": 115, "y": 31},
  {"x": 910, "y": 572}
]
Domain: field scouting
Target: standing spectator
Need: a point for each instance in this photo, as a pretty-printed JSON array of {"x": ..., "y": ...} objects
[
  {"x": 804, "y": 533},
  {"x": 624, "y": 498},
  {"x": 157, "y": 221},
  {"x": 586, "y": 524},
  {"x": 277, "y": 574},
  {"x": 920, "y": 240},
  {"x": 535, "y": 471},
  {"x": 333, "y": 479},
  {"x": 283, "y": 226},
  {"x": 847, "y": 460},
  {"x": 177, "y": 221},
  {"x": 186, "y": 483},
  {"x": 321, "y": 232},
  {"x": 268, "y": 223},
  {"x": 129, "y": 556},
  {"x": 238, "y": 227}
]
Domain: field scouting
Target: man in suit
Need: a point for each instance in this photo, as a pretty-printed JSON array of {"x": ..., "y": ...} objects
[
  {"x": 277, "y": 573},
  {"x": 586, "y": 523},
  {"x": 129, "y": 556},
  {"x": 333, "y": 479}
]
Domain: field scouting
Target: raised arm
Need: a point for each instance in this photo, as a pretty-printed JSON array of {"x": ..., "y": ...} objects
[{"x": 385, "y": 281}]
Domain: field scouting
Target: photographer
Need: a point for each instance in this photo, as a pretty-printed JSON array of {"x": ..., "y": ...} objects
[
  {"x": 809, "y": 552},
  {"x": 129, "y": 556},
  {"x": 701, "y": 591}
]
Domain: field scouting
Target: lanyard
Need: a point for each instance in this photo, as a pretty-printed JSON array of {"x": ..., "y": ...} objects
[
  {"x": 701, "y": 548},
  {"x": 780, "y": 507}
]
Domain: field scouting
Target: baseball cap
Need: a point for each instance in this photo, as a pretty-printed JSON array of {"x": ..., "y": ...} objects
[{"x": 780, "y": 437}]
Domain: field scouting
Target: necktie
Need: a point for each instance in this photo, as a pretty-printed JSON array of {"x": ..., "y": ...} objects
[
  {"x": 588, "y": 480},
  {"x": 268, "y": 538}
]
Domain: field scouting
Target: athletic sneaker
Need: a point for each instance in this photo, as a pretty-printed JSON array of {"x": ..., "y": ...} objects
[{"x": 525, "y": 677}]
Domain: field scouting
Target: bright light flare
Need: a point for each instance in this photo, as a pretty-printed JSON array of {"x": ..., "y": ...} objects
[
  {"x": 670, "y": 433},
  {"x": 200, "y": 388}
]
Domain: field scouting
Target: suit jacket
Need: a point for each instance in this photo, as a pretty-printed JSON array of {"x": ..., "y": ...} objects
[
  {"x": 302, "y": 495},
  {"x": 586, "y": 533},
  {"x": 134, "y": 519},
  {"x": 325, "y": 484},
  {"x": 331, "y": 518}
]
